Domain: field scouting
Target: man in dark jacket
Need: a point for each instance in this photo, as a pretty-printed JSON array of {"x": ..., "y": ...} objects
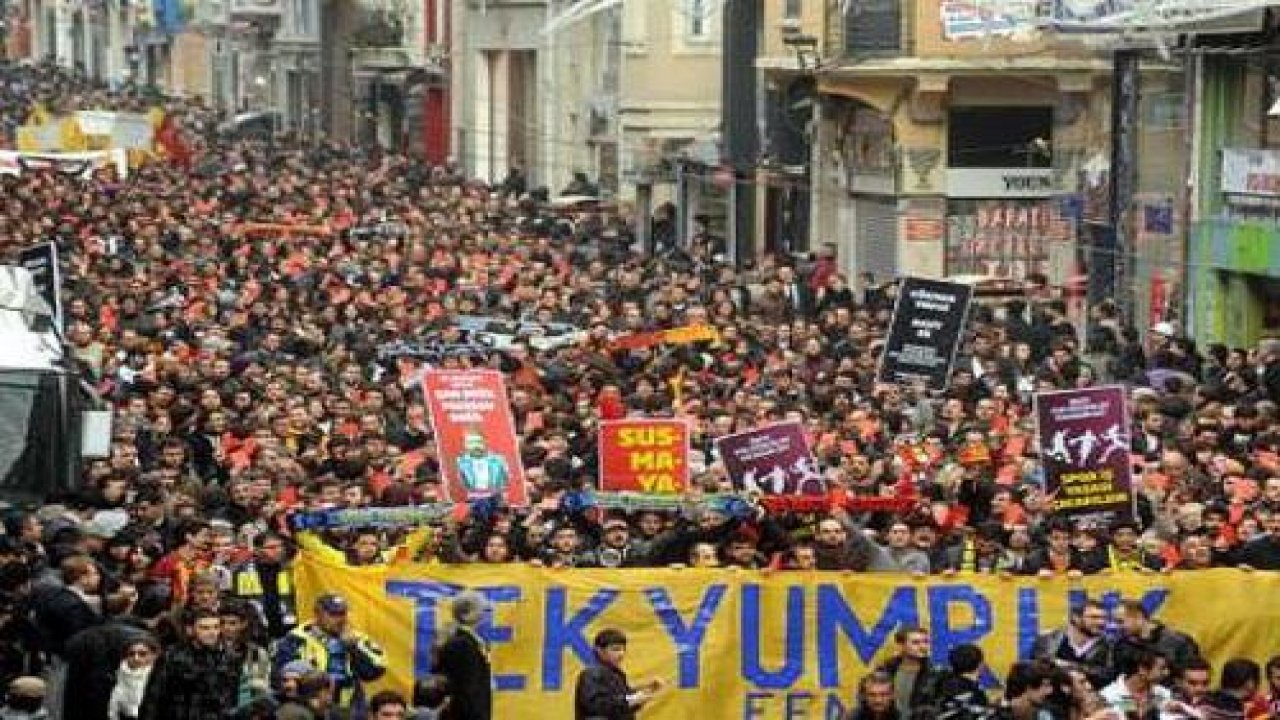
[
  {"x": 71, "y": 608},
  {"x": 1081, "y": 644},
  {"x": 960, "y": 695},
  {"x": 93, "y": 656},
  {"x": 602, "y": 691},
  {"x": 915, "y": 678},
  {"x": 875, "y": 699},
  {"x": 836, "y": 549},
  {"x": 1141, "y": 630},
  {"x": 196, "y": 680},
  {"x": 1263, "y": 552},
  {"x": 463, "y": 660}
]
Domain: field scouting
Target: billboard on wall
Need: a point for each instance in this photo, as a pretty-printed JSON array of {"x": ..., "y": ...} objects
[{"x": 1003, "y": 238}]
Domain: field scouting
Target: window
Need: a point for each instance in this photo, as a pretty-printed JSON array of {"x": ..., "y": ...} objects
[
  {"x": 873, "y": 28},
  {"x": 302, "y": 14},
  {"x": 698, "y": 19},
  {"x": 1000, "y": 137},
  {"x": 792, "y": 9}
]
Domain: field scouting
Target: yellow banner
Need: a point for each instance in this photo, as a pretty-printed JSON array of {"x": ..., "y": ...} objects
[{"x": 752, "y": 645}]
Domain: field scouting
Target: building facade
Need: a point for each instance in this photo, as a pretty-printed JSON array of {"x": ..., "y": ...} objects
[
  {"x": 1234, "y": 253},
  {"x": 497, "y": 90},
  {"x": 613, "y": 90},
  {"x": 933, "y": 150}
]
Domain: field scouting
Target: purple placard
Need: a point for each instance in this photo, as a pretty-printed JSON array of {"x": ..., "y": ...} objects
[
  {"x": 1083, "y": 438},
  {"x": 773, "y": 460}
]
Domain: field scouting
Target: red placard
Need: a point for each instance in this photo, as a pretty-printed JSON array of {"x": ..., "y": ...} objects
[
  {"x": 644, "y": 455},
  {"x": 475, "y": 435}
]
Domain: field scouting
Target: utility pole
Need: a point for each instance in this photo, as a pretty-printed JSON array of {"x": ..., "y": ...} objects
[
  {"x": 1109, "y": 253},
  {"x": 738, "y": 119}
]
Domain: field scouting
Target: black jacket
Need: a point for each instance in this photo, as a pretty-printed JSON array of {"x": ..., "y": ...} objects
[
  {"x": 959, "y": 698},
  {"x": 1176, "y": 647},
  {"x": 60, "y": 616},
  {"x": 927, "y": 685},
  {"x": 1097, "y": 664},
  {"x": 93, "y": 656},
  {"x": 191, "y": 683},
  {"x": 465, "y": 666},
  {"x": 1262, "y": 553},
  {"x": 601, "y": 694}
]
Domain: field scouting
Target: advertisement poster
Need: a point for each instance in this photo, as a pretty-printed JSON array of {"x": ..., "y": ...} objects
[
  {"x": 928, "y": 321},
  {"x": 644, "y": 455},
  {"x": 1084, "y": 445},
  {"x": 773, "y": 460},
  {"x": 475, "y": 435}
]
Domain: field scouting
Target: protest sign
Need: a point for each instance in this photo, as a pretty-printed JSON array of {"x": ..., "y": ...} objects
[
  {"x": 644, "y": 455},
  {"x": 749, "y": 644},
  {"x": 1084, "y": 447},
  {"x": 773, "y": 460},
  {"x": 928, "y": 321},
  {"x": 475, "y": 434}
]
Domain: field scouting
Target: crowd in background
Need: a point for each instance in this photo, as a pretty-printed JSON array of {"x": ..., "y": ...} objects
[{"x": 248, "y": 381}]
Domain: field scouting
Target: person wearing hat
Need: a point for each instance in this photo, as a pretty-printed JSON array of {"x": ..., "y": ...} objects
[
  {"x": 602, "y": 691},
  {"x": 463, "y": 661},
  {"x": 615, "y": 548},
  {"x": 329, "y": 643},
  {"x": 312, "y": 700},
  {"x": 290, "y": 674}
]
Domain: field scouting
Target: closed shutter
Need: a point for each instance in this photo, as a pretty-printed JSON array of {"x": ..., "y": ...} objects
[{"x": 876, "y": 235}]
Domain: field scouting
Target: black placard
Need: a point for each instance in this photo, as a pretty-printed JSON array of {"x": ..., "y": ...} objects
[{"x": 928, "y": 321}]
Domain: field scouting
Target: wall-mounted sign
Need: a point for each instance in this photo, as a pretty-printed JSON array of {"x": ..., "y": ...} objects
[
  {"x": 975, "y": 19},
  {"x": 1001, "y": 183},
  {"x": 1247, "y": 171},
  {"x": 1002, "y": 238}
]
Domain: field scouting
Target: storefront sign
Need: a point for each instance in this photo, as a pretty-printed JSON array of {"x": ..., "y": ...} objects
[
  {"x": 976, "y": 19},
  {"x": 1000, "y": 183},
  {"x": 928, "y": 321},
  {"x": 1084, "y": 444},
  {"x": 1002, "y": 238},
  {"x": 1251, "y": 172}
]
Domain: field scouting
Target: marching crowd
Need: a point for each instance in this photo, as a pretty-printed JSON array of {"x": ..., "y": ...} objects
[{"x": 236, "y": 310}]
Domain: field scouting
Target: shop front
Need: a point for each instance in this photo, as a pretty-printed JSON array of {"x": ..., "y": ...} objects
[
  {"x": 1007, "y": 223},
  {"x": 1235, "y": 257}
]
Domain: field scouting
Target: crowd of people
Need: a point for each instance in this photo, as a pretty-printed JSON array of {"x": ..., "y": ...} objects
[{"x": 235, "y": 310}]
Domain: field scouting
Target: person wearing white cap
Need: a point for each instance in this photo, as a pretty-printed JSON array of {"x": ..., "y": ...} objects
[{"x": 329, "y": 643}]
